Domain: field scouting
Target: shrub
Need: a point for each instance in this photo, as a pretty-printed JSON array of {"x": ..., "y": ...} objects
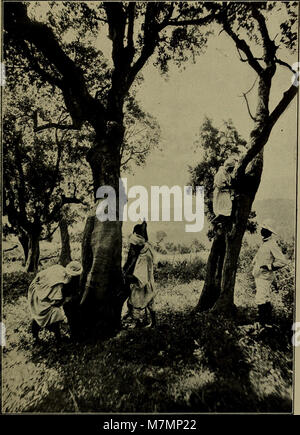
[
  {"x": 182, "y": 271},
  {"x": 246, "y": 256},
  {"x": 16, "y": 284}
]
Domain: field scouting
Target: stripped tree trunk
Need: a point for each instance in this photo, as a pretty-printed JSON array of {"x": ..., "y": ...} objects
[
  {"x": 33, "y": 251},
  {"x": 24, "y": 240},
  {"x": 102, "y": 281},
  {"x": 65, "y": 253}
]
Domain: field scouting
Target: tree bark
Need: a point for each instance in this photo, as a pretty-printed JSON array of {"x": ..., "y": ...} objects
[
  {"x": 33, "y": 252},
  {"x": 65, "y": 253},
  {"x": 103, "y": 292},
  {"x": 218, "y": 289},
  {"x": 24, "y": 240}
]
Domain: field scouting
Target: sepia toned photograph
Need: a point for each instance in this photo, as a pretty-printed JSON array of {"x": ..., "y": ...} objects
[{"x": 149, "y": 200}]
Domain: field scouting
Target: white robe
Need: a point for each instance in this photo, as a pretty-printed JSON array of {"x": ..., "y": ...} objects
[
  {"x": 269, "y": 254},
  {"x": 44, "y": 293},
  {"x": 222, "y": 199},
  {"x": 143, "y": 292}
]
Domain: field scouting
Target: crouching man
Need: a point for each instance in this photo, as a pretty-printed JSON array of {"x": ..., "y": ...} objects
[
  {"x": 267, "y": 259},
  {"x": 46, "y": 297}
]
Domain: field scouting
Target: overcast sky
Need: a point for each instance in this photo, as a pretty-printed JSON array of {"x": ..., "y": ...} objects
[{"x": 213, "y": 87}]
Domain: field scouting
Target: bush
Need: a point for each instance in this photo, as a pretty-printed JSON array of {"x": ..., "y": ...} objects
[
  {"x": 182, "y": 271},
  {"x": 283, "y": 286},
  {"x": 160, "y": 249},
  {"x": 246, "y": 256},
  {"x": 15, "y": 284}
]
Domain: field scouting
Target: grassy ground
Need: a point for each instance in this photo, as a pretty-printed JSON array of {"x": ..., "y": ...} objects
[{"x": 187, "y": 363}]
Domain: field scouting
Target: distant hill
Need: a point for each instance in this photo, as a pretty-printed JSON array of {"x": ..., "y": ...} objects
[{"x": 281, "y": 212}]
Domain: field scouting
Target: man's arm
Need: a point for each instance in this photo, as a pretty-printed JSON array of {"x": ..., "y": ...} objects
[{"x": 279, "y": 259}]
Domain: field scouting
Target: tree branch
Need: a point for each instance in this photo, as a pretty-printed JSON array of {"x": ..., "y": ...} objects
[
  {"x": 262, "y": 138},
  {"x": 282, "y": 63},
  {"x": 244, "y": 47},
  {"x": 20, "y": 27},
  {"x": 130, "y": 29},
  {"x": 196, "y": 21},
  {"x": 283, "y": 103},
  {"x": 268, "y": 45},
  {"x": 244, "y": 94},
  {"x": 39, "y": 128},
  {"x": 248, "y": 107},
  {"x": 10, "y": 249},
  {"x": 50, "y": 234},
  {"x": 151, "y": 31}
]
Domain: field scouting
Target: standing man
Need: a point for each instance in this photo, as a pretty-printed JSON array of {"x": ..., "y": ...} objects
[
  {"x": 223, "y": 192},
  {"x": 267, "y": 259}
]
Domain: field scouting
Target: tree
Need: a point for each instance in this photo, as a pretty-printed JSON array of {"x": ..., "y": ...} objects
[
  {"x": 65, "y": 253},
  {"x": 247, "y": 26},
  {"x": 136, "y": 30},
  {"x": 36, "y": 170},
  {"x": 215, "y": 146},
  {"x": 142, "y": 135}
]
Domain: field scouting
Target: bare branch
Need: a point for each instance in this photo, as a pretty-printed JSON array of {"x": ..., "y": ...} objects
[
  {"x": 130, "y": 29},
  {"x": 10, "y": 249},
  {"x": 58, "y": 126},
  {"x": 244, "y": 94},
  {"x": 282, "y": 63},
  {"x": 50, "y": 234},
  {"x": 248, "y": 107},
  {"x": 263, "y": 136}
]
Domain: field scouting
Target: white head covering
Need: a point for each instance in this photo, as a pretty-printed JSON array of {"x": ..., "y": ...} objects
[
  {"x": 74, "y": 268},
  {"x": 268, "y": 227}
]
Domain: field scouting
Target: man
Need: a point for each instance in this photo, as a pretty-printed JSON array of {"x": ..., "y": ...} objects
[
  {"x": 223, "y": 192},
  {"x": 138, "y": 274},
  {"x": 46, "y": 297},
  {"x": 267, "y": 259}
]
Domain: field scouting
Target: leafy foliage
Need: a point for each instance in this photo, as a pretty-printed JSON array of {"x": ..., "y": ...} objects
[{"x": 215, "y": 145}]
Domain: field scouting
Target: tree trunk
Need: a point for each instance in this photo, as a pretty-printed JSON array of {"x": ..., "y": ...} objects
[
  {"x": 65, "y": 253},
  {"x": 212, "y": 286},
  {"x": 233, "y": 243},
  {"x": 33, "y": 252},
  {"x": 24, "y": 240},
  {"x": 103, "y": 292},
  {"x": 218, "y": 289}
]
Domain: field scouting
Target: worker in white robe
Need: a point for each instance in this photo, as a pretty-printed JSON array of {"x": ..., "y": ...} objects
[
  {"x": 138, "y": 272},
  {"x": 45, "y": 296},
  {"x": 223, "y": 192},
  {"x": 267, "y": 259}
]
